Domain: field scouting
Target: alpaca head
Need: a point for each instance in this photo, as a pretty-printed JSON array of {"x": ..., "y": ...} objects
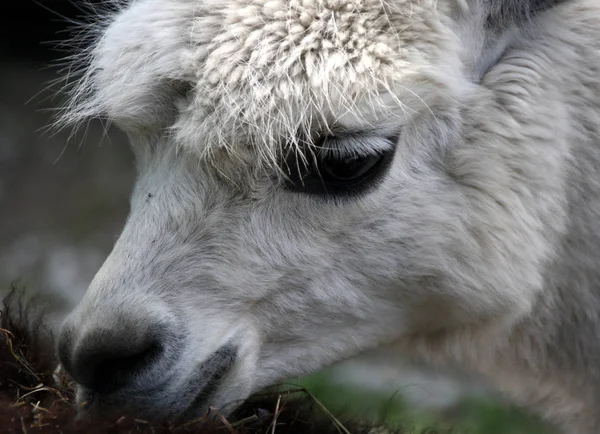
[{"x": 295, "y": 201}]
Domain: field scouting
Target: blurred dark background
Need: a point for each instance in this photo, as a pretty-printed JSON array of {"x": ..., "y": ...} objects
[
  {"x": 63, "y": 197},
  {"x": 29, "y": 27}
]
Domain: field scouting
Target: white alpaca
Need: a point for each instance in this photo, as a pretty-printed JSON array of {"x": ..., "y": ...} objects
[{"x": 320, "y": 177}]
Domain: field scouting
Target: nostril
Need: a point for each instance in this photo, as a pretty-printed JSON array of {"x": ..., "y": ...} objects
[
  {"x": 105, "y": 360},
  {"x": 110, "y": 370}
]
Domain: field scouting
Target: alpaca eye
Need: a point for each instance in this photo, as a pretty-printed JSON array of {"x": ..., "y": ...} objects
[
  {"x": 347, "y": 170},
  {"x": 335, "y": 172}
]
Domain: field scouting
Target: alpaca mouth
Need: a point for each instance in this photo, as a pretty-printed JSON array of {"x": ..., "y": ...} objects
[
  {"x": 158, "y": 401},
  {"x": 207, "y": 379}
]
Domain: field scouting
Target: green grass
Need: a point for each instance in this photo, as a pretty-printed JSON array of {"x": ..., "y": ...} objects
[{"x": 471, "y": 416}]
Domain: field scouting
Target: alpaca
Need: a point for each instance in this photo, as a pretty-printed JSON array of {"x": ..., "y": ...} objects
[{"x": 317, "y": 178}]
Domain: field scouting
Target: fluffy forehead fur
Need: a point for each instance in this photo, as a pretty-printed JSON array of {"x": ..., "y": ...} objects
[
  {"x": 275, "y": 68},
  {"x": 254, "y": 73}
]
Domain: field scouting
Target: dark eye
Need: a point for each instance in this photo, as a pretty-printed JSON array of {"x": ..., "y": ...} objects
[
  {"x": 347, "y": 170},
  {"x": 331, "y": 173}
]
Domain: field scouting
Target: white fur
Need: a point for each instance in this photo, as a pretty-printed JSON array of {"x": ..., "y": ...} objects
[{"x": 460, "y": 255}]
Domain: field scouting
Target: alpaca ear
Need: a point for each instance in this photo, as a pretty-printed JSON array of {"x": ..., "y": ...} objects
[
  {"x": 506, "y": 12},
  {"x": 496, "y": 18}
]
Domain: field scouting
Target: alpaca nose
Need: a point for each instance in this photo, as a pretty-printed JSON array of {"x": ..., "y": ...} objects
[{"x": 104, "y": 359}]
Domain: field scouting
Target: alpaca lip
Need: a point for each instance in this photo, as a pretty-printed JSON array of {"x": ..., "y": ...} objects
[{"x": 208, "y": 377}]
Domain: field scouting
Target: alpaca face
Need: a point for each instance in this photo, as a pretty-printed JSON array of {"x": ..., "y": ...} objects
[{"x": 295, "y": 203}]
